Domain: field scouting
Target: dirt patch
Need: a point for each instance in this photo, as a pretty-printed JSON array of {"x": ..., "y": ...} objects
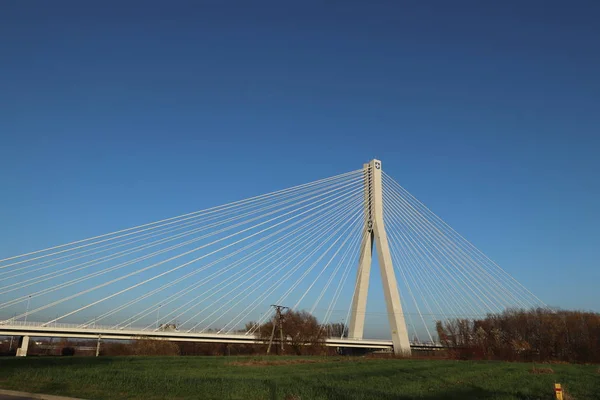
[
  {"x": 539, "y": 371},
  {"x": 291, "y": 361},
  {"x": 567, "y": 396},
  {"x": 260, "y": 363}
]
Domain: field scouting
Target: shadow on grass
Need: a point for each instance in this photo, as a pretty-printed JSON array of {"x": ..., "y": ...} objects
[
  {"x": 333, "y": 393},
  {"x": 45, "y": 362}
]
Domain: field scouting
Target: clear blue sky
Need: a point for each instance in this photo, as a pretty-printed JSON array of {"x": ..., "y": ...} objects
[{"x": 114, "y": 114}]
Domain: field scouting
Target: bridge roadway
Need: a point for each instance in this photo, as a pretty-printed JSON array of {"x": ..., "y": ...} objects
[
  {"x": 109, "y": 333},
  {"x": 36, "y": 329}
]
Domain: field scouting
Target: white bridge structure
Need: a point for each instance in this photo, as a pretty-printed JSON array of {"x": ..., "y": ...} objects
[{"x": 215, "y": 273}]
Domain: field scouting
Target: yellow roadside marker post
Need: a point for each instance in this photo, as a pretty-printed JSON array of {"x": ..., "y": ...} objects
[{"x": 558, "y": 391}]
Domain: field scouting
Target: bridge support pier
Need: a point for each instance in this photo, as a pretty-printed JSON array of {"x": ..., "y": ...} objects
[
  {"x": 375, "y": 234},
  {"x": 23, "y": 346},
  {"x": 98, "y": 345}
]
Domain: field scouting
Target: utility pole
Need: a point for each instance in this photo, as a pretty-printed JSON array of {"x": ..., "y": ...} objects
[
  {"x": 27, "y": 310},
  {"x": 278, "y": 321},
  {"x": 11, "y": 338},
  {"x": 157, "y": 314}
]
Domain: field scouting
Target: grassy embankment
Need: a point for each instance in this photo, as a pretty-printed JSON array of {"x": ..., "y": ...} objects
[{"x": 150, "y": 378}]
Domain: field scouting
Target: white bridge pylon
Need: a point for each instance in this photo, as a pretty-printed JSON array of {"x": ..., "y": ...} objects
[
  {"x": 375, "y": 234},
  {"x": 215, "y": 272}
]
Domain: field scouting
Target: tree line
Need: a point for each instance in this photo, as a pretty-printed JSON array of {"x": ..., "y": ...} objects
[
  {"x": 514, "y": 335},
  {"x": 525, "y": 335}
]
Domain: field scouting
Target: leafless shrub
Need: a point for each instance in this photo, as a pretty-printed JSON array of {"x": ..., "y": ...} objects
[{"x": 154, "y": 347}]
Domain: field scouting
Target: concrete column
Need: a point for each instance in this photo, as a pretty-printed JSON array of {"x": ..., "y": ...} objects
[
  {"x": 361, "y": 290},
  {"x": 359, "y": 302},
  {"x": 388, "y": 277},
  {"x": 23, "y": 346},
  {"x": 376, "y": 234},
  {"x": 98, "y": 345}
]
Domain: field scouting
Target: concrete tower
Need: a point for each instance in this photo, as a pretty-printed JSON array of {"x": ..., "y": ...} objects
[{"x": 375, "y": 235}]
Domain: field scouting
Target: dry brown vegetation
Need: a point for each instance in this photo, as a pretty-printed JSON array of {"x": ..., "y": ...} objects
[
  {"x": 537, "y": 371},
  {"x": 154, "y": 347},
  {"x": 517, "y": 335},
  {"x": 262, "y": 363}
]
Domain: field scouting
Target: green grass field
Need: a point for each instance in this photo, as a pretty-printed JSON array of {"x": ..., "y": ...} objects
[{"x": 292, "y": 378}]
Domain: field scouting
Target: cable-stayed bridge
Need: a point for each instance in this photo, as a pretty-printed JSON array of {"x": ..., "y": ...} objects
[{"x": 214, "y": 273}]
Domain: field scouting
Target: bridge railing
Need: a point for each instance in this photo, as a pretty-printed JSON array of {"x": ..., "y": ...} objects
[
  {"x": 22, "y": 323},
  {"x": 91, "y": 326}
]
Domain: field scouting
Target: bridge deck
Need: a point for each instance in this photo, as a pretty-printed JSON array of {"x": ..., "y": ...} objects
[{"x": 110, "y": 333}]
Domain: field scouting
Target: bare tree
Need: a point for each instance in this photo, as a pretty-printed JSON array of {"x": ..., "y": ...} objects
[
  {"x": 302, "y": 332},
  {"x": 538, "y": 334}
]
